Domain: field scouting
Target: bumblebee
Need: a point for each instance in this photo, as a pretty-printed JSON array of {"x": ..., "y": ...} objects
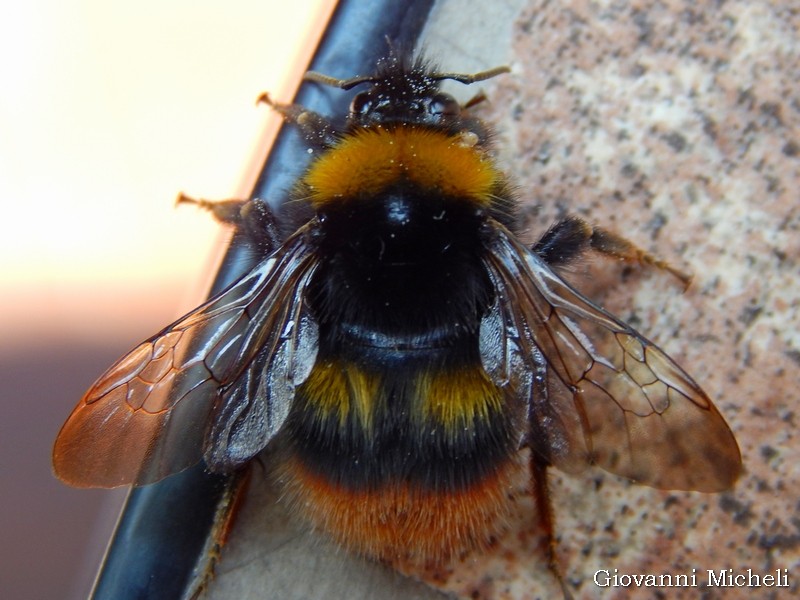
[{"x": 402, "y": 346}]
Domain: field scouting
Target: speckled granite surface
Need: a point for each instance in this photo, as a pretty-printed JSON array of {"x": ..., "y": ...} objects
[{"x": 676, "y": 124}]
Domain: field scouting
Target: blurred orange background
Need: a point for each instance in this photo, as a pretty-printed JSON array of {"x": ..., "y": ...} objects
[{"x": 107, "y": 111}]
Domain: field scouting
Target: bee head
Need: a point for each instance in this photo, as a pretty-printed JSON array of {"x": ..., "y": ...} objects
[{"x": 404, "y": 91}]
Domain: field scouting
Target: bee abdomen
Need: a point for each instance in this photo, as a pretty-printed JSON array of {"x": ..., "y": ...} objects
[
  {"x": 399, "y": 521},
  {"x": 402, "y": 462}
]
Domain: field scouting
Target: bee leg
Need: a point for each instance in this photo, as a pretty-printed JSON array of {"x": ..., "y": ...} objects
[
  {"x": 544, "y": 507},
  {"x": 317, "y": 131},
  {"x": 254, "y": 218},
  {"x": 572, "y": 237},
  {"x": 228, "y": 507}
]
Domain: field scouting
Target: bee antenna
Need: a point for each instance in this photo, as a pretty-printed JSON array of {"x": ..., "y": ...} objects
[
  {"x": 344, "y": 84},
  {"x": 468, "y": 78}
]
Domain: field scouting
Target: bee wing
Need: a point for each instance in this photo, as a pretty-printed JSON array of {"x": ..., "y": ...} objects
[
  {"x": 601, "y": 393},
  {"x": 234, "y": 361}
]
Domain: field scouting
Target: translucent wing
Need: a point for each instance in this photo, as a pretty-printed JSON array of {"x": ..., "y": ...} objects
[
  {"x": 233, "y": 362},
  {"x": 602, "y": 394}
]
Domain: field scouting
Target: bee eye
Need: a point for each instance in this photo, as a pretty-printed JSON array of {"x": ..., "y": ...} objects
[
  {"x": 361, "y": 104},
  {"x": 444, "y": 104}
]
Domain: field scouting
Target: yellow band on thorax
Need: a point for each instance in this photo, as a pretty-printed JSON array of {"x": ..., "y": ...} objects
[{"x": 368, "y": 161}]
